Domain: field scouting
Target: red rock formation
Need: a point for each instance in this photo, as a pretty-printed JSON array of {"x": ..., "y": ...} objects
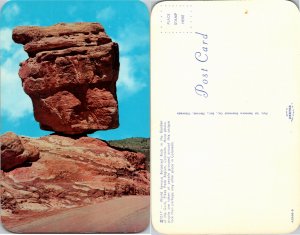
[
  {"x": 70, "y": 76},
  {"x": 69, "y": 173},
  {"x": 14, "y": 153}
]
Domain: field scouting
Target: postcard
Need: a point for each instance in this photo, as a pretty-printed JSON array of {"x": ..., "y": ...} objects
[
  {"x": 225, "y": 124},
  {"x": 75, "y": 111}
]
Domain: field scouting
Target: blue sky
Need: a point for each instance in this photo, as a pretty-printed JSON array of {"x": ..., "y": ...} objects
[{"x": 126, "y": 22}]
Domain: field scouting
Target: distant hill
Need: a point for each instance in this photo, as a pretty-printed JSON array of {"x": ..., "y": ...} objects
[{"x": 135, "y": 144}]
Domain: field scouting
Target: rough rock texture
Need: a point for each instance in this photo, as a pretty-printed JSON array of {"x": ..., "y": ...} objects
[
  {"x": 14, "y": 153},
  {"x": 70, "y": 76},
  {"x": 69, "y": 173}
]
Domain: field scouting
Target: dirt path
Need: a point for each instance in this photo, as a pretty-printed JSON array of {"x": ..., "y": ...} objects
[{"x": 126, "y": 214}]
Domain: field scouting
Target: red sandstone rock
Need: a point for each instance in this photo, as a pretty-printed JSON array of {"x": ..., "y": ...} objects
[
  {"x": 71, "y": 76},
  {"x": 14, "y": 153},
  {"x": 69, "y": 173}
]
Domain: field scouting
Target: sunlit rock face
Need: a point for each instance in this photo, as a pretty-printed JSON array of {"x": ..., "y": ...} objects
[
  {"x": 70, "y": 76},
  {"x": 55, "y": 172}
]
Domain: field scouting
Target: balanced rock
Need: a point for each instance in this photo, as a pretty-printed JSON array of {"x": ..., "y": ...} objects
[{"x": 70, "y": 76}]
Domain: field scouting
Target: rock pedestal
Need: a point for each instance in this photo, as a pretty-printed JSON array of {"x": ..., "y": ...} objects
[{"x": 70, "y": 76}]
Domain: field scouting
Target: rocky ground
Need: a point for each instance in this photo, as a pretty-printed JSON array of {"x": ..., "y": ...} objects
[{"x": 65, "y": 173}]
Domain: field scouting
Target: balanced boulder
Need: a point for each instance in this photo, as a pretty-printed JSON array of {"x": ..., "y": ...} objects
[{"x": 70, "y": 76}]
